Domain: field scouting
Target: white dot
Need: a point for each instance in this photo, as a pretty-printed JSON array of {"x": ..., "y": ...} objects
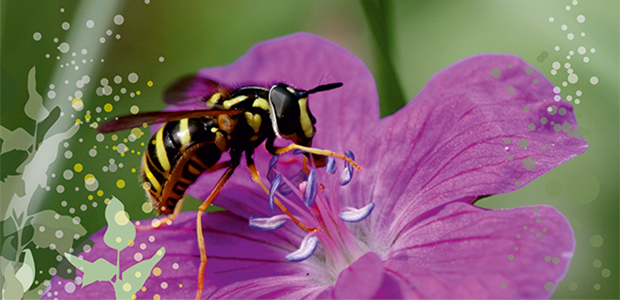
[
  {"x": 175, "y": 266},
  {"x": 567, "y": 65},
  {"x": 551, "y": 19},
  {"x": 570, "y": 36},
  {"x": 556, "y": 89},
  {"x": 65, "y": 25},
  {"x": 118, "y": 36},
  {"x": 564, "y": 27},
  {"x": 83, "y": 207},
  {"x": 568, "y": 57},
  {"x": 132, "y": 77},
  {"x": 557, "y": 48},
  {"x": 571, "y": 53},
  {"x": 102, "y": 40},
  {"x": 164, "y": 285},
  {"x": 119, "y": 19},
  {"x": 569, "y": 71},
  {"x": 90, "y": 24},
  {"x": 70, "y": 287},
  {"x": 581, "y": 50},
  {"x": 36, "y": 36},
  {"x": 593, "y": 80},
  {"x": 556, "y": 65},
  {"x": 564, "y": 83},
  {"x": 567, "y": 7},
  {"x": 592, "y": 50},
  {"x": 569, "y": 98},
  {"x": 575, "y": 2},
  {"x": 108, "y": 32},
  {"x": 161, "y": 59},
  {"x": 583, "y": 34},
  {"x": 577, "y": 101},
  {"x": 64, "y": 47},
  {"x": 557, "y": 98},
  {"x": 553, "y": 72},
  {"x": 59, "y": 233},
  {"x": 137, "y": 256},
  {"x": 51, "y": 94},
  {"x": 578, "y": 93},
  {"x": 581, "y": 18},
  {"x": 572, "y": 78}
]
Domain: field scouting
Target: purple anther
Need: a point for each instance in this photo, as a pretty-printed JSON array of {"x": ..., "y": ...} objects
[
  {"x": 272, "y": 167},
  {"x": 298, "y": 151},
  {"x": 310, "y": 194},
  {"x": 267, "y": 223},
  {"x": 351, "y": 214},
  {"x": 272, "y": 192},
  {"x": 308, "y": 245},
  {"x": 347, "y": 173},
  {"x": 330, "y": 168}
]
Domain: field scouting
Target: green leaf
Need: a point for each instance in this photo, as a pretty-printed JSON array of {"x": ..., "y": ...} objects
[
  {"x": 55, "y": 231},
  {"x": 25, "y": 274},
  {"x": 34, "y": 293},
  {"x": 100, "y": 270},
  {"x": 14, "y": 289},
  {"x": 120, "y": 232},
  {"x": 19, "y": 139},
  {"x": 34, "y": 108},
  {"x": 135, "y": 276},
  {"x": 8, "y": 250}
]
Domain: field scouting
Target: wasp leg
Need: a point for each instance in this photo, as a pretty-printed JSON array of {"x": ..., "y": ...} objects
[
  {"x": 256, "y": 177},
  {"x": 201, "y": 241},
  {"x": 282, "y": 150}
]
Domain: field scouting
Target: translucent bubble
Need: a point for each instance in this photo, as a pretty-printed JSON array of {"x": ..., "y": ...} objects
[
  {"x": 578, "y": 93},
  {"x": 51, "y": 94},
  {"x": 581, "y": 50},
  {"x": 556, "y": 89},
  {"x": 161, "y": 59},
  {"x": 593, "y": 80},
  {"x": 132, "y": 77},
  {"x": 100, "y": 137},
  {"x": 65, "y": 25},
  {"x": 91, "y": 184},
  {"x": 118, "y": 79},
  {"x": 60, "y": 189},
  {"x": 68, "y": 154},
  {"x": 90, "y": 23},
  {"x": 83, "y": 207},
  {"x": 592, "y": 50},
  {"x": 568, "y": 7},
  {"x": 596, "y": 241},
  {"x": 554, "y": 72},
  {"x": 572, "y": 78},
  {"x": 134, "y": 109},
  {"x": 119, "y": 19},
  {"x": 36, "y": 36},
  {"x": 102, "y": 40},
  {"x": 118, "y": 36},
  {"x": 551, "y": 19},
  {"x": 64, "y": 47},
  {"x": 557, "y": 48},
  {"x": 92, "y": 152},
  {"x": 570, "y": 36},
  {"x": 581, "y": 18},
  {"x": 564, "y": 27},
  {"x": 107, "y": 90},
  {"x": 586, "y": 59},
  {"x": 121, "y": 148}
]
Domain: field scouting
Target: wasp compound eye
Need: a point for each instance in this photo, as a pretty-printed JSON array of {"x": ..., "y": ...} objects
[{"x": 286, "y": 108}]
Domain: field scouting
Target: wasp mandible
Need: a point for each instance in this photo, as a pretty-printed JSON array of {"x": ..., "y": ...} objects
[{"x": 227, "y": 119}]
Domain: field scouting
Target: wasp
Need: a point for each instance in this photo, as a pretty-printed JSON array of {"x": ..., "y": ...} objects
[{"x": 234, "y": 120}]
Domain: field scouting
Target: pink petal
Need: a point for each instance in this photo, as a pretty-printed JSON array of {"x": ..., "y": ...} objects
[
  {"x": 463, "y": 136},
  {"x": 468, "y": 252}
]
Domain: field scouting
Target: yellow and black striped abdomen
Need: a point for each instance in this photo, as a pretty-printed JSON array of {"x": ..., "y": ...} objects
[{"x": 176, "y": 155}]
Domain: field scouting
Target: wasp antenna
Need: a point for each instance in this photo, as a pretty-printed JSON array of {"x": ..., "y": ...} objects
[{"x": 325, "y": 87}]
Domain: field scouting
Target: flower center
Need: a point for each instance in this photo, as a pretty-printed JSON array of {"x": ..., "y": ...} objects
[{"x": 320, "y": 215}]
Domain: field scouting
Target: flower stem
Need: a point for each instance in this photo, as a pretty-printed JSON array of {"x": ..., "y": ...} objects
[{"x": 391, "y": 95}]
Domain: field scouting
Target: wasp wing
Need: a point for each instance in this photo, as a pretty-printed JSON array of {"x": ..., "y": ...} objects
[
  {"x": 145, "y": 119},
  {"x": 192, "y": 89}
]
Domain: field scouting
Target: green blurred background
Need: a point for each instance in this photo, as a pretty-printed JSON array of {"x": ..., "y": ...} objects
[{"x": 162, "y": 40}]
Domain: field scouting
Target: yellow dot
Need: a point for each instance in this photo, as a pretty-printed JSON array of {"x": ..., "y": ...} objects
[
  {"x": 113, "y": 147},
  {"x": 125, "y": 140},
  {"x": 138, "y": 274},
  {"x": 87, "y": 116},
  {"x": 121, "y": 218},
  {"x": 120, "y": 183},
  {"x": 119, "y": 239},
  {"x": 107, "y": 107},
  {"x": 95, "y": 147},
  {"x": 138, "y": 93},
  {"x": 90, "y": 197},
  {"x": 180, "y": 285},
  {"x": 133, "y": 151},
  {"x": 77, "y": 121},
  {"x": 77, "y": 104},
  {"x": 157, "y": 271},
  {"x": 147, "y": 207},
  {"x": 78, "y": 167},
  {"x": 133, "y": 296},
  {"x": 149, "y": 83},
  {"x": 89, "y": 176},
  {"x": 156, "y": 297},
  {"x": 114, "y": 137},
  {"x": 126, "y": 287},
  {"x": 99, "y": 193},
  {"x": 94, "y": 125},
  {"x": 144, "y": 289},
  {"x": 133, "y": 170},
  {"x": 122, "y": 154},
  {"x": 130, "y": 243},
  {"x": 145, "y": 125},
  {"x": 138, "y": 153},
  {"x": 142, "y": 144},
  {"x": 134, "y": 109}
]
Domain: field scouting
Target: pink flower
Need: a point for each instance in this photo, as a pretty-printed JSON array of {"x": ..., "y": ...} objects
[{"x": 486, "y": 125}]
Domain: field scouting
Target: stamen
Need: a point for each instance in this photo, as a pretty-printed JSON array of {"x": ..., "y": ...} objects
[
  {"x": 331, "y": 165},
  {"x": 310, "y": 192},
  {"x": 298, "y": 151},
  {"x": 272, "y": 192},
  {"x": 272, "y": 165},
  {"x": 351, "y": 214},
  {"x": 268, "y": 223},
  {"x": 308, "y": 245},
  {"x": 347, "y": 173}
]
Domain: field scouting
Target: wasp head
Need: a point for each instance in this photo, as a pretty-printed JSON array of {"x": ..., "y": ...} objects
[{"x": 290, "y": 114}]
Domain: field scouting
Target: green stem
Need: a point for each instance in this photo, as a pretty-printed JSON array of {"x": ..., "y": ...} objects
[
  {"x": 391, "y": 95},
  {"x": 118, "y": 265}
]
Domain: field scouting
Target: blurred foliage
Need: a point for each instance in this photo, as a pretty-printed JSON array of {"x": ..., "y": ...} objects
[{"x": 418, "y": 38}]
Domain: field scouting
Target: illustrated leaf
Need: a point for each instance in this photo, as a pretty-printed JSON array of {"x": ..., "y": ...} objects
[
  {"x": 34, "y": 108},
  {"x": 19, "y": 139},
  {"x": 8, "y": 250},
  {"x": 121, "y": 232},
  {"x": 135, "y": 276},
  {"x": 14, "y": 289},
  {"x": 34, "y": 293},
  {"x": 99, "y": 270},
  {"x": 55, "y": 231},
  {"x": 25, "y": 274}
]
